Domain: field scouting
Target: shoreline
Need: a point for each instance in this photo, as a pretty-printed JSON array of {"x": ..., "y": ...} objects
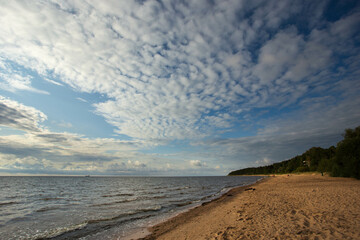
[
  {"x": 282, "y": 207},
  {"x": 147, "y": 232}
]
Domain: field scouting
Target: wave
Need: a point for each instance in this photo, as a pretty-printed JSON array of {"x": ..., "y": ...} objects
[
  {"x": 51, "y": 198},
  {"x": 159, "y": 190},
  {"x": 141, "y": 198},
  {"x": 94, "y": 226},
  {"x": 113, "y": 203},
  {"x": 52, "y": 233},
  {"x": 158, "y": 197},
  {"x": 8, "y": 203},
  {"x": 124, "y": 215},
  {"x": 12, "y": 197},
  {"x": 184, "y": 204},
  {"x": 208, "y": 197},
  {"x": 181, "y": 188},
  {"x": 118, "y": 195},
  {"x": 45, "y": 209},
  {"x": 96, "y": 207}
]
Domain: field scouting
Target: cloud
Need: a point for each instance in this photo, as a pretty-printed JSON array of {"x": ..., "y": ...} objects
[
  {"x": 197, "y": 163},
  {"x": 68, "y": 153},
  {"x": 186, "y": 70},
  {"x": 38, "y": 150},
  {"x": 21, "y": 117},
  {"x": 29, "y": 163},
  {"x": 263, "y": 162},
  {"x": 321, "y": 123},
  {"x": 81, "y": 99},
  {"x": 65, "y": 124},
  {"x": 53, "y": 82},
  {"x": 136, "y": 164},
  {"x": 165, "y": 66},
  {"x": 13, "y": 81}
]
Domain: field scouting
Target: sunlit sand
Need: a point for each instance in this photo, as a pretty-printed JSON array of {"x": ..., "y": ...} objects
[{"x": 280, "y": 207}]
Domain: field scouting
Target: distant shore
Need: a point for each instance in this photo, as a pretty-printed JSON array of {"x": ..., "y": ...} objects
[{"x": 281, "y": 207}]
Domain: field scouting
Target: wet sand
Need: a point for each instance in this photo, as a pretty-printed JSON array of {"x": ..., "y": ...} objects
[{"x": 280, "y": 207}]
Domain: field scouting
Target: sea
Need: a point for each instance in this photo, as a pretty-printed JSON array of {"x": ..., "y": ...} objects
[{"x": 83, "y": 207}]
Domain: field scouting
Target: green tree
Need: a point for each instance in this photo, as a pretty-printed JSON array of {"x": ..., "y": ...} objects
[
  {"x": 325, "y": 165},
  {"x": 347, "y": 160},
  {"x": 342, "y": 161}
]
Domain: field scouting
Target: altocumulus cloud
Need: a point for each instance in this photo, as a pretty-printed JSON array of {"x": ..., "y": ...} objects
[
  {"x": 163, "y": 65},
  {"x": 191, "y": 70}
]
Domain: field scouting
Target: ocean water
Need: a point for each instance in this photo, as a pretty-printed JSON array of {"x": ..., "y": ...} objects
[{"x": 99, "y": 207}]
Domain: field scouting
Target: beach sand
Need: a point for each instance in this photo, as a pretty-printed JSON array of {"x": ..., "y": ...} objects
[{"x": 280, "y": 207}]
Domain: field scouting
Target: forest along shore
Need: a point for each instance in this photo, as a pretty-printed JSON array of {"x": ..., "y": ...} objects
[{"x": 282, "y": 207}]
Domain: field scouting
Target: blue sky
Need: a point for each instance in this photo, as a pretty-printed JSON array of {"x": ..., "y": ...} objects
[{"x": 173, "y": 87}]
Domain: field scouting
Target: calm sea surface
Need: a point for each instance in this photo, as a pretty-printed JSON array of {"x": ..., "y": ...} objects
[{"x": 99, "y": 207}]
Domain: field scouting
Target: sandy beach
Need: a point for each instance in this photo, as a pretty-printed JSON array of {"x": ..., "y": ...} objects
[{"x": 280, "y": 207}]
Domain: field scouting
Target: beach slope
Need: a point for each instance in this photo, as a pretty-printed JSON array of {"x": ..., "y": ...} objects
[{"x": 281, "y": 207}]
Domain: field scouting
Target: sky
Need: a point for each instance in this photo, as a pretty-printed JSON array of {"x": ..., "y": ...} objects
[{"x": 172, "y": 88}]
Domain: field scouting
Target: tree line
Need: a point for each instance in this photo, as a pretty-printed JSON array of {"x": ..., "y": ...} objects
[{"x": 340, "y": 161}]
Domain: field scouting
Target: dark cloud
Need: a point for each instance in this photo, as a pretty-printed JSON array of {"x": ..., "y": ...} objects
[
  {"x": 18, "y": 116},
  {"x": 8, "y": 115}
]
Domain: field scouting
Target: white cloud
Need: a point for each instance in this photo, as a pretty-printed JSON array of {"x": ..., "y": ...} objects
[
  {"x": 53, "y": 82},
  {"x": 64, "y": 124},
  {"x": 264, "y": 162},
  {"x": 9, "y": 161},
  {"x": 276, "y": 56},
  {"x": 197, "y": 163},
  {"x": 175, "y": 70},
  {"x": 163, "y": 66},
  {"x": 70, "y": 154},
  {"x": 81, "y": 99},
  {"x": 13, "y": 81}
]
